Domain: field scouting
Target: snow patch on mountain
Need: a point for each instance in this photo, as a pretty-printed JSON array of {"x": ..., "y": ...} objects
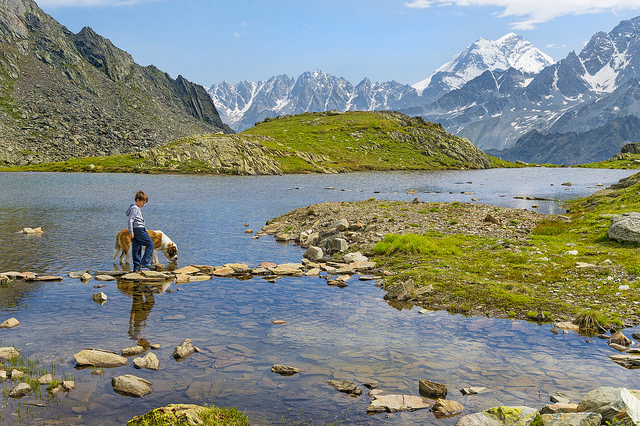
[{"x": 509, "y": 51}]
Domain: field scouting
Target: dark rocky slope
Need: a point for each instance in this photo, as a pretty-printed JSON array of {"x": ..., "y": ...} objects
[{"x": 65, "y": 95}]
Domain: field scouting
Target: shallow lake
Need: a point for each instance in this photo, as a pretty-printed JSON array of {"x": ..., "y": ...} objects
[{"x": 331, "y": 333}]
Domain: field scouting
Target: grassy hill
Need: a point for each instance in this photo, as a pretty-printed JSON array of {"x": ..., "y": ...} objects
[{"x": 326, "y": 142}]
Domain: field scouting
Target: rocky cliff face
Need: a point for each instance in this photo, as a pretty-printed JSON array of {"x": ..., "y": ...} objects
[{"x": 66, "y": 95}]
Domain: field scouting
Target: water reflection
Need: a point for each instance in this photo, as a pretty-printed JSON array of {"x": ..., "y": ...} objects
[{"x": 142, "y": 301}]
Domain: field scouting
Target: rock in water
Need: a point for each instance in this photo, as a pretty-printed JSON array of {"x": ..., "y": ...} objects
[
  {"x": 346, "y": 386},
  {"x": 130, "y": 385},
  {"x": 149, "y": 361},
  {"x": 184, "y": 350},
  {"x": 431, "y": 389},
  {"x": 99, "y": 358},
  {"x": 285, "y": 370}
]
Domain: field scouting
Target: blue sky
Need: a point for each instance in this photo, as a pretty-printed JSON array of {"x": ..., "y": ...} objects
[{"x": 209, "y": 41}]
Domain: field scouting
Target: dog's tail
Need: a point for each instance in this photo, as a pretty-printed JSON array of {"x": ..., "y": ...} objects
[{"x": 117, "y": 249}]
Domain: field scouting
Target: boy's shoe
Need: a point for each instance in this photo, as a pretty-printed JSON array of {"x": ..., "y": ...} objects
[
  {"x": 148, "y": 266},
  {"x": 137, "y": 271}
]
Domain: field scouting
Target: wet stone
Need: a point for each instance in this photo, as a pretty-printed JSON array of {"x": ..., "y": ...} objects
[
  {"x": 130, "y": 385},
  {"x": 346, "y": 386},
  {"x": 10, "y": 323},
  {"x": 285, "y": 370}
]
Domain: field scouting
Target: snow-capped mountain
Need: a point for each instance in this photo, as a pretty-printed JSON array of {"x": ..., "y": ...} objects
[
  {"x": 242, "y": 105},
  {"x": 509, "y": 51},
  {"x": 575, "y": 95}
]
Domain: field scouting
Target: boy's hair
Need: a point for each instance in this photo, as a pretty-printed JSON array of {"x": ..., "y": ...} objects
[{"x": 140, "y": 195}]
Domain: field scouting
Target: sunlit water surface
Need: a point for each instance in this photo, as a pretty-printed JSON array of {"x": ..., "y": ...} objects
[{"x": 332, "y": 333}]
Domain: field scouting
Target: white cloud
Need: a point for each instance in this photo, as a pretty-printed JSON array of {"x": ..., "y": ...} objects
[
  {"x": 419, "y": 4},
  {"x": 88, "y": 3},
  {"x": 533, "y": 12}
]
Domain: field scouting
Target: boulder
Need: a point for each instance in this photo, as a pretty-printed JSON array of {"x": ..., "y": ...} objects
[
  {"x": 179, "y": 414},
  {"x": 446, "y": 408},
  {"x": 562, "y": 407},
  {"x": 396, "y": 403},
  {"x": 620, "y": 339},
  {"x": 625, "y": 227},
  {"x": 134, "y": 350},
  {"x": 519, "y": 415},
  {"x": 99, "y": 358},
  {"x": 401, "y": 291},
  {"x": 571, "y": 419},
  {"x": 346, "y": 386},
  {"x": 285, "y": 370},
  {"x": 77, "y": 274},
  {"x": 314, "y": 254},
  {"x": 337, "y": 245},
  {"x": 10, "y": 323},
  {"x": 149, "y": 361},
  {"x": 431, "y": 389},
  {"x": 130, "y": 385},
  {"x": 45, "y": 379},
  {"x": 610, "y": 403},
  {"x": 340, "y": 225},
  {"x": 185, "y": 350},
  {"x": 19, "y": 390},
  {"x": 99, "y": 298},
  {"x": 8, "y": 352},
  {"x": 355, "y": 257}
]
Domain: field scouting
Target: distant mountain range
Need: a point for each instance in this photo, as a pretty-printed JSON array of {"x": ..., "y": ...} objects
[
  {"x": 65, "y": 95},
  {"x": 243, "y": 104},
  {"x": 505, "y": 96}
]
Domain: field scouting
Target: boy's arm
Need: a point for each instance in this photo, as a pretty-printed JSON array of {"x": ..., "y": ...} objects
[{"x": 132, "y": 216}]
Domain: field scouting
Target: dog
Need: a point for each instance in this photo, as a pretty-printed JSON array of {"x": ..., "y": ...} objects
[{"x": 160, "y": 242}]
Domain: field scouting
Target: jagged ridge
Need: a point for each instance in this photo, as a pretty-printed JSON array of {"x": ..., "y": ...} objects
[{"x": 64, "y": 95}]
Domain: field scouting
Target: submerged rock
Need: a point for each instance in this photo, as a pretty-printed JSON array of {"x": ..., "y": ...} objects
[
  {"x": 346, "y": 386},
  {"x": 130, "y": 385}
]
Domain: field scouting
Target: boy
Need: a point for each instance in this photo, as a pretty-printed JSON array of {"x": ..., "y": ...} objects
[{"x": 138, "y": 234}]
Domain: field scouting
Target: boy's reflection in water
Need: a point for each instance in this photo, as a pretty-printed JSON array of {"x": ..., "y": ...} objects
[{"x": 143, "y": 299}]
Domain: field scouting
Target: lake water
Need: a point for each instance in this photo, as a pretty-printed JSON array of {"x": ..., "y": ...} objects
[{"x": 332, "y": 333}]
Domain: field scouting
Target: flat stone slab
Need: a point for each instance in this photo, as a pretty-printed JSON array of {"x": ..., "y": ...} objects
[
  {"x": 397, "y": 403},
  {"x": 99, "y": 358},
  {"x": 187, "y": 270},
  {"x": 102, "y": 277}
]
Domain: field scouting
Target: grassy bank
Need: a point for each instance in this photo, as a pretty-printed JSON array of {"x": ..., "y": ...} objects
[
  {"x": 567, "y": 269},
  {"x": 305, "y": 143}
]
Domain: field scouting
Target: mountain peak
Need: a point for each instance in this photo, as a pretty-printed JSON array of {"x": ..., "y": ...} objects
[{"x": 509, "y": 51}]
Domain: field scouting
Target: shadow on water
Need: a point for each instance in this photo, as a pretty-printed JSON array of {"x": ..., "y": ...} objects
[{"x": 330, "y": 333}]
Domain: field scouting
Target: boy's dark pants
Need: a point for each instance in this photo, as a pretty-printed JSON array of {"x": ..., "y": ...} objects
[{"x": 141, "y": 238}]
